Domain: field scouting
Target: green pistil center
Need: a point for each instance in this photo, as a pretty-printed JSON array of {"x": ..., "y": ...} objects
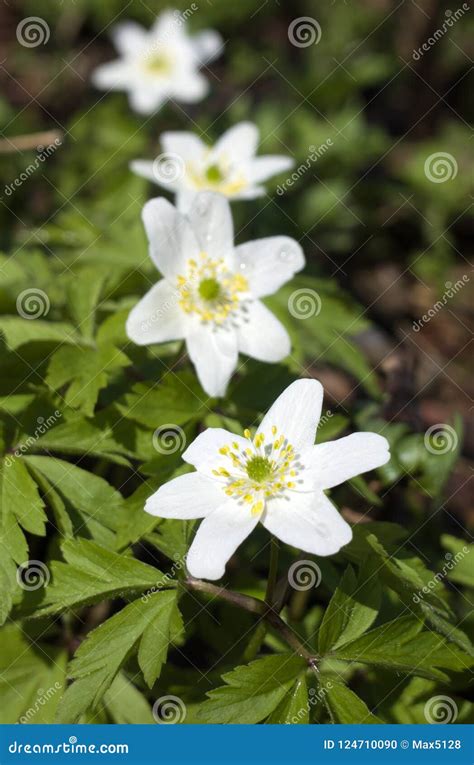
[
  {"x": 209, "y": 289},
  {"x": 214, "y": 174},
  {"x": 259, "y": 469},
  {"x": 157, "y": 63}
]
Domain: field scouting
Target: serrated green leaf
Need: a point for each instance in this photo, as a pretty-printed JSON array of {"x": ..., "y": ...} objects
[
  {"x": 352, "y": 609},
  {"x": 252, "y": 691},
  {"x": 163, "y": 630},
  {"x": 92, "y": 573},
  {"x": 346, "y": 707},
  {"x": 294, "y": 707}
]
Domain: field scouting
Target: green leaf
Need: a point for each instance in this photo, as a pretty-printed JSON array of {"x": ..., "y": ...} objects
[
  {"x": 103, "y": 653},
  {"x": 83, "y": 296},
  {"x": 175, "y": 400},
  {"x": 252, "y": 691},
  {"x": 165, "y": 629},
  {"x": 92, "y": 573},
  {"x": 352, "y": 609},
  {"x": 346, "y": 707},
  {"x": 398, "y": 645},
  {"x": 19, "y": 331},
  {"x": 85, "y": 371},
  {"x": 95, "y": 507},
  {"x": 82, "y": 436},
  {"x": 32, "y": 678},
  {"x": 460, "y": 564},
  {"x": 126, "y": 704},
  {"x": 294, "y": 707}
]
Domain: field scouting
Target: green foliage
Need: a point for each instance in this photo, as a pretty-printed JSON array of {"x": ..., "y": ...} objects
[{"x": 116, "y": 624}]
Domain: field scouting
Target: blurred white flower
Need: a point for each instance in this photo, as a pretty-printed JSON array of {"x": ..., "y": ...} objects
[
  {"x": 229, "y": 167},
  {"x": 159, "y": 64},
  {"x": 278, "y": 477},
  {"x": 211, "y": 290}
]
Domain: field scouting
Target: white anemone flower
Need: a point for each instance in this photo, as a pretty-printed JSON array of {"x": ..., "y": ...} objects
[
  {"x": 278, "y": 478},
  {"x": 211, "y": 290},
  {"x": 230, "y": 167},
  {"x": 159, "y": 64}
]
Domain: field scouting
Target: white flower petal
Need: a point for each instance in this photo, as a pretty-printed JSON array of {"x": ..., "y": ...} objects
[
  {"x": 262, "y": 336},
  {"x": 129, "y": 38},
  {"x": 295, "y": 413},
  {"x": 146, "y": 169},
  {"x": 146, "y": 100},
  {"x": 172, "y": 242},
  {"x": 309, "y": 522},
  {"x": 204, "y": 453},
  {"x": 268, "y": 263},
  {"x": 217, "y": 539},
  {"x": 338, "y": 461},
  {"x": 207, "y": 44},
  {"x": 188, "y": 496},
  {"x": 116, "y": 75},
  {"x": 238, "y": 143},
  {"x": 188, "y": 86},
  {"x": 157, "y": 317},
  {"x": 211, "y": 220},
  {"x": 214, "y": 354},
  {"x": 186, "y": 145},
  {"x": 261, "y": 168}
]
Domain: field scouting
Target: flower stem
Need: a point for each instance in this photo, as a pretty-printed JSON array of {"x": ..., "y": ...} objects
[
  {"x": 256, "y": 606},
  {"x": 272, "y": 572}
]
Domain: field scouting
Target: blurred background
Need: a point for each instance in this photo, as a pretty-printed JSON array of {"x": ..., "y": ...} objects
[
  {"x": 373, "y": 101},
  {"x": 374, "y": 106}
]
